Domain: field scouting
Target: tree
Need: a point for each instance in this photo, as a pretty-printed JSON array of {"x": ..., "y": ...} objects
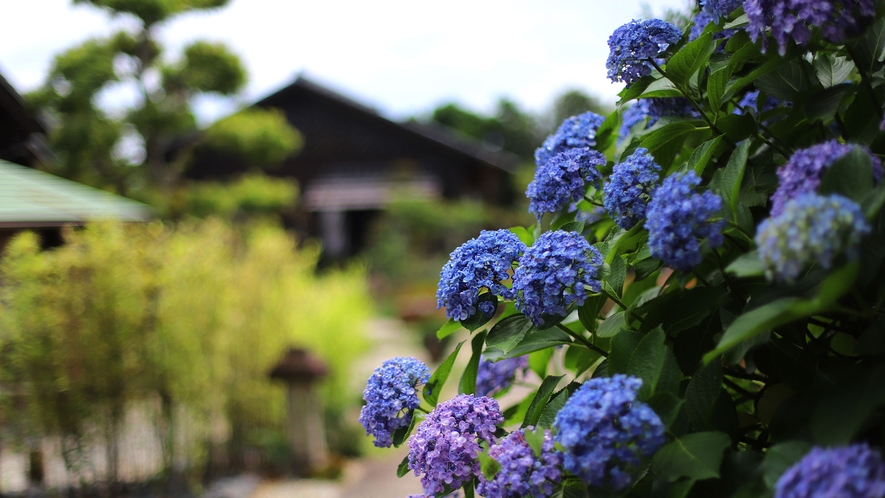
[{"x": 131, "y": 150}]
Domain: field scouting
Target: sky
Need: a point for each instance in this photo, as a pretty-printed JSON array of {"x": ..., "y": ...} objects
[{"x": 402, "y": 57}]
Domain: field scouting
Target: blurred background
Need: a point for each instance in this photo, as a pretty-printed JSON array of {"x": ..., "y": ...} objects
[{"x": 218, "y": 217}]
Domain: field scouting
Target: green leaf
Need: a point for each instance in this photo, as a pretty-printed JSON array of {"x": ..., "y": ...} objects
[
  {"x": 523, "y": 234},
  {"x": 667, "y": 406},
  {"x": 686, "y": 62},
  {"x": 400, "y": 435},
  {"x": 701, "y": 395},
  {"x": 785, "y": 310},
  {"x": 824, "y": 104},
  {"x": 787, "y": 81},
  {"x": 533, "y": 341},
  {"x": 589, "y": 311},
  {"x": 647, "y": 362},
  {"x": 448, "y": 329},
  {"x": 730, "y": 186},
  {"x": 661, "y": 88},
  {"x": 535, "y": 438},
  {"x": 635, "y": 90},
  {"x": 403, "y": 467},
  {"x": 612, "y": 325},
  {"x": 539, "y": 361},
  {"x": 617, "y": 275},
  {"x": 738, "y": 84},
  {"x": 479, "y": 318},
  {"x": 716, "y": 84},
  {"x": 666, "y": 134},
  {"x": 780, "y": 457},
  {"x": 850, "y": 176},
  {"x": 704, "y": 154},
  {"x": 623, "y": 346},
  {"x": 540, "y": 400},
  {"x": 832, "y": 71},
  {"x": 548, "y": 416},
  {"x": 579, "y": 358},
  {"x": 747, "y": 265},
  {"x": 606, "y": 135},
  {"x": 741, "y": 21},
  {"x": 488, "y": 465},
  {"x": 868, "y": 50},
  {"x": 573, "y": 226},
  {"x": 439, "y": 377},
  {"x": 468, "y": 378},
  {"x": 695, "y": 456},
  {"x": 508, "y": 332}
]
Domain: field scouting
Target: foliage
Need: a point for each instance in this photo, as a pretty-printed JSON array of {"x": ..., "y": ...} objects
[
  {"x": 253, "y": 194},
  {"x": 718, "y": 340},
  {"x": 194, "y": 317},
  {"x": 146, "y": 144}
]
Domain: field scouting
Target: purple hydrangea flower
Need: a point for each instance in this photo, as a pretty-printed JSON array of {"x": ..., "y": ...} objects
[
  {"x": 629, "y": 188},
  {"x": 443, "y": 451},
  {"x": 679, "y": 218},
  {"x": 576, "y": 131},
  {"x": 562, "y": 181},
  {"x": 804, "y": 171},
  {"x": 606, "y": 432},
  {"x": 794, "y": 20},
  {"x": 480, "y": 263},
  {"x": 811, "y": 228},
  {"x": 523, "y": 473},
  {"x": 855, "y": 471},
  {"x": 720, "y": 8},
  {"x": 556, "y": 271},
  {"x": 391, "y": 396},
  {"x": 636, "y": 43},
  {"x": 495, "y": 376},
  {"x": 654, "y": 109}
]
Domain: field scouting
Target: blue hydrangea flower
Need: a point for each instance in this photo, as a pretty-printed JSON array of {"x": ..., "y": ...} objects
[
  {"x": 606, "y": 432},
  {"x": 679, "y": 218},
  {"x": 855, "y": 471},
  {"x": 576, "y": 131},
  {"x": 629, "y": 188},
  {"x": 804, "y": 171},
  {"x": 556, "y": 271},
  {"x": 749, "y": 104},
  {"x": 391, "y": 396},
  {"x": 811, "y": 229},
  {"x": 636, "y": 43},
  {"x": 654, "y": 109},
  {"x": 562, "y": 181},
  {"x": 794, "y": 20},
  {"x": 720, "y": 8},
  {"x": 712, "y": 12},
  {"x": 444, "y": 448},
  {"x": 480, "y": 263},
  {"x": 495, "y": 376},
  {"x": 523, "y": 473}
]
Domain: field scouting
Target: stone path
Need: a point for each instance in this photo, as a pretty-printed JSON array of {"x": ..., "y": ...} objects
[{"x": 373, "y": 477}]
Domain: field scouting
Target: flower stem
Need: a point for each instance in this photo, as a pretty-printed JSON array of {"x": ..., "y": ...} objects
[{"x": 583, "y": 340}]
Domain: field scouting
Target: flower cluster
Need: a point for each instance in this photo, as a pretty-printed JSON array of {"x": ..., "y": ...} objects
[
  {"x": 555, "y": 272},
  {"x": 811, "y": 228},
  {"x": 720, "y": 8},
  {"x": 443, "y": 451},
  {"x": 576, "y": 131},
  {"x": 629, "y": 188},
  {"x": 562, "y": 180},
  {"x": 713, "y": 11},
  {"x": 483, "y": 262},
  {"x": 794, "y": 19},
  {"x": 495, "y": 376},
  {"x": 391, "y": 396},
  {"x": 654, "y": 109},
  {"x": 856, "y": 471},
  {"x": 679, "y": 218},
  {"x": 804, "y": 171},
  {"x": 523, "y": 473},
  {"x": 606, "y": 432},
  {"x": 634, "y": 45}
]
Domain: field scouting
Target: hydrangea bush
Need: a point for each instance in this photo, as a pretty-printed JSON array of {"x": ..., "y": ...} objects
[{"x": 700, "y": 301}]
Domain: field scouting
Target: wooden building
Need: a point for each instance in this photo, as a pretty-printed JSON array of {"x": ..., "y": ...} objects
[{"x": 354, "y": 162}]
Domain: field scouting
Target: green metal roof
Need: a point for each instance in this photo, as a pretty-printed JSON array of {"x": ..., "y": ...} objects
[{"x": 29, "y": 197}]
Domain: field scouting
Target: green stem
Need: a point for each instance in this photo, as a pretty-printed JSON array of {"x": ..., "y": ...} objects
[
  {"x": 623, "y": 306},
  {"x": 583, "y": 340},
  {"x": 591, "y": 201}
]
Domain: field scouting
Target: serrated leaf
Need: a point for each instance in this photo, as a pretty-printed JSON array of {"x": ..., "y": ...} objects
[
  {"x": 832, "y": 71},
  {"x": 589, "y": 311},
  {"x": 824, "y": 104},
  {"x": 439, "y": 377},
  {"x": 787, "y": 81},
  {"x": 548, "y": 416},
  {"x": 533, "y": 341},
  {"x": 468, "y": 378},
  {"x": 695, "y": 456},
  {"x": 623, "y": 346},
  {"x": 667, "y": 406},
  {"x": 488, "y": 465},
  {"x": 448, "y": 328},
  {"x": 701, "y": 395},
  {"x": 736, "y": 85},
  {"x": 689, "y": 59},
  {"x": 716, "y": 84},
  {"x": 660, "y": 88},
  {"x": 850, "y": 176},
  {"x": 647, "y": 362},
  {"x": 539, "y": 402},
  {"x": 703, "y": 154},
  {"x": 730, "y": 186},
  {"x": 868, "y": 50},
  {"x": 666, "y": 134},
  {"x": 508, "y": 332},
  {"x": 617, "y": 275}
]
